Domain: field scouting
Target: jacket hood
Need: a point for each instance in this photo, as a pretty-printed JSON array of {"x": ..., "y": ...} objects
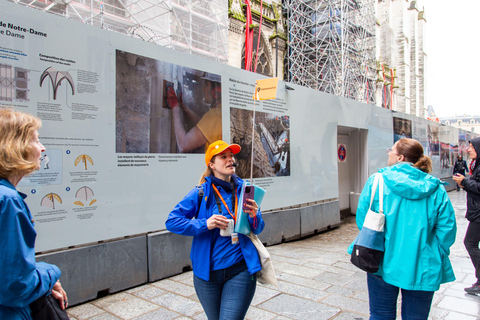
[
  {"x": 408, "y": 182},
  {"x": 476, "y": 145}
]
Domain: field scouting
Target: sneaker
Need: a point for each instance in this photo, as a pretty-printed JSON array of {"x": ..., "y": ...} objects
[{"x": 474, "y": 289}]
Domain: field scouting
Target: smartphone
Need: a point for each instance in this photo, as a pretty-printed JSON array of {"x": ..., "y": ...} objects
[{"x": 248, "y": 194}]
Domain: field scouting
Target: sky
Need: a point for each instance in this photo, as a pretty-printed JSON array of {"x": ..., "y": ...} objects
[{"x": 451, "y": 44}]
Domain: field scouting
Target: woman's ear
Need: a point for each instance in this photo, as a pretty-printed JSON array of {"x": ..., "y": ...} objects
[{"x": 211, "y": 165}]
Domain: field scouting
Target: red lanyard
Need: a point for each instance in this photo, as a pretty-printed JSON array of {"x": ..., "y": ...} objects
[{"x": 221, "y": 198}]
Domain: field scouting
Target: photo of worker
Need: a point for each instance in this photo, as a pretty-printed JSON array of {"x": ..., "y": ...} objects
[
  {"x": 444, "y": 155},
  {"x": 402, "y": 128},
  {"x": 271, "y": 156},
  {"x": 433, "y": 141},
  {"x": 165, "y": 108}
]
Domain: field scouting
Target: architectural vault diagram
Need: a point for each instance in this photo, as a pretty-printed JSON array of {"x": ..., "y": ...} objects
[
  {"x": 49, "y": 200},
  {"x": 84, "y": 194},
  {"x": 56, "y": 77},
  {"x": 83, "y": 158}
]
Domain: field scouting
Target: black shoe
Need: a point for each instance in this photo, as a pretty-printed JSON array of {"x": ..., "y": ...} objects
[
  {"x": 458, "y": 189},
  {"x": 473, "y": 289}
]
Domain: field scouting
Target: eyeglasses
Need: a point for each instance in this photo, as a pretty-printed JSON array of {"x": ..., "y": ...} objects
[{"x": 389, "y": 150}]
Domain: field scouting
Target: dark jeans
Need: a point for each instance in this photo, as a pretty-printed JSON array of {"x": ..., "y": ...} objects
[
  {"x": 383, "y": 297},
  {"x": 228, "y": 294},
  {"x": 472, "y": 238}
]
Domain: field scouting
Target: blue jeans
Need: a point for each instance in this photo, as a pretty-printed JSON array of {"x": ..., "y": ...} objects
[
  {"x": 383, "y": 301},
  {"x": 228, "y": 294}
]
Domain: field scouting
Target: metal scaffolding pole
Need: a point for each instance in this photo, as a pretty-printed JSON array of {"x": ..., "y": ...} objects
[
  {"x": 199, "y": 27},
  {"x": 332, "y": 46}
]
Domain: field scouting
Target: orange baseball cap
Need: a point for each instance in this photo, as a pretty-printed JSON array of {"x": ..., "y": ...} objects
[{"x": 218, "y": 147}]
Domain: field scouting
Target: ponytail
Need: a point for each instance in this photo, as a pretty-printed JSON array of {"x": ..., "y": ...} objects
[
  {"x": 424, "y": 164},
  {"x": 208, "y": 172}
]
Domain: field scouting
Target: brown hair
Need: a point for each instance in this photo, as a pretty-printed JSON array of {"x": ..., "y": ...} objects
[
  {"x": 16, "y": 131},
  {"x": 412, "y": 150}
]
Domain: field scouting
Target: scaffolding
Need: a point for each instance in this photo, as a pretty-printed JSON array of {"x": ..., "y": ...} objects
[
  {"x": 332, "y": 46},
  {"x": 198, "y": 27}
]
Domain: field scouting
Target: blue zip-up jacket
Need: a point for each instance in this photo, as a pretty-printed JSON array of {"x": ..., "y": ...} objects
[
  {"x": 181, "y": 221},
  {"x": 420, "y": 228},
  {"x": 22, "y": 280}
]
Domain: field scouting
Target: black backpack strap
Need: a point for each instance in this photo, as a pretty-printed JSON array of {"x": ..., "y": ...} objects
[{"x": 200, "y": 197}]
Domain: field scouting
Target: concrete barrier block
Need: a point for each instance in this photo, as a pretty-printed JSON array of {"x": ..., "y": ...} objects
[
  {"x": 168, "y": 254},
  {"x": 319, "y": 217},
  {"x": 281, "y": 226},
  {"x": 101, "y": 269}
]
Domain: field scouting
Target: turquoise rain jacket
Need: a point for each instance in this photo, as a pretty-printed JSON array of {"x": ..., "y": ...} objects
[
  {"x": 22, "y": 280},
  {"x": 181, "y": 221},
  {"x": 420, "y": 227}
]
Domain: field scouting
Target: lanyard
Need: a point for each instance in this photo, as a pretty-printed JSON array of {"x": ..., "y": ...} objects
[{"x": 217, "y": 194}]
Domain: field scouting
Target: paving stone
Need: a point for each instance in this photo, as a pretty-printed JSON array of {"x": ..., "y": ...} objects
[
  {"x": 84, "y": 311},
  {"x": 105, "y": 316},
  {"x": 178, "y": 304},
  {"x": 255, "y": 314},
  {"x": 301, "y": 291},
  {"x": 125, "y": 305},
  {"x": 149, "y": 292},
  {"x": 175, "y": 287},
  {"x": 311, "y": 283},
  {"x": 298, "y": 308},
  {"x": 459, "y": 305},
  {"x": 346, "y": 292},
  {"x": 263, "y": 293},
  {"x": 297, "y": 270},
  {"x": 332, "y": 269},
  {"x": 159, "y": 314},
  {"x": 334, "y": 279},
  {"x": 349, "y": 304},
  {"x": 345, "y": 315}
]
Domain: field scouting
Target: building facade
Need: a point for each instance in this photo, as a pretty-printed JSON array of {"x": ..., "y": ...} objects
[{"x": 467, "y": 122}]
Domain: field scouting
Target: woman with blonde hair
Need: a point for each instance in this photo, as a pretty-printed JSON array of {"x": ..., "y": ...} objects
[
  {"x": 23, "y": 280},
  {"x": 420, "y": 228},
  {"x": 224, "y": 263}
]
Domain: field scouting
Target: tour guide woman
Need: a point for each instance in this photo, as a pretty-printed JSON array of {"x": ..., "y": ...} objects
[
  {"x": 22, "y": 280},
  {"x": 419, "y": 230},
  {"x": 224, "y": 267}
]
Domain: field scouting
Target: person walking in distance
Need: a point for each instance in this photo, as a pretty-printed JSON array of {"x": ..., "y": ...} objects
[
  {"x": 472, "y": 187},
  {"x": 460, "y": 167}
]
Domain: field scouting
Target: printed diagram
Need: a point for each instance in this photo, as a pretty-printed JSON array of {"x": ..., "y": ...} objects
[
  {"x": 13, "y": 83},
  {"x": 49, "y": 200},
  {"x": 83, "y": 158},
  {"x": 84, "y": 194},
  {"x": 56, "y": 78}
]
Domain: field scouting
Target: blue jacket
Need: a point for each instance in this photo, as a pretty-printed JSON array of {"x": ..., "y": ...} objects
[
  {"x": 420, "y": 228},
  {"x": 22, "y": 279},
  {"x": 181, "y": 221}
]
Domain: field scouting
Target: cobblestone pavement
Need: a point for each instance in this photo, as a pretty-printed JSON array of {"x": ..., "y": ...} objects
[{"x": 316, "y": 281}]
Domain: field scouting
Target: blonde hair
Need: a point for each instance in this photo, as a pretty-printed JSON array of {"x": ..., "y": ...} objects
[
  {"x": 208, "y": 171},
  {"x": 412, "y": 150},
  {"x": 16, "y": 132}
]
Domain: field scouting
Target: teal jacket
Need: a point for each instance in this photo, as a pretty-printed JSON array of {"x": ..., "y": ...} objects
[{"x": 420, "y": 227}]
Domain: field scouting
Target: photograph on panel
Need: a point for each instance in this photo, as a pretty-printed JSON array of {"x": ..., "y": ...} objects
[
  {"x": 165, "y": 108},
  {"x": 271, "y": 143},
  {"x": 433, "y": 141},
  {"x": 402, "y": 128}
]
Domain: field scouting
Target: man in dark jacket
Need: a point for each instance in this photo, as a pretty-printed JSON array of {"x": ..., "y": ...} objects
[
  {"x": 460, "y": 167},
  {"x": 472, "y": 237}
]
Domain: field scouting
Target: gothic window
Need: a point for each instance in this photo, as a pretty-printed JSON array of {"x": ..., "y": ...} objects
[{"x": 264, "y": 64}]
